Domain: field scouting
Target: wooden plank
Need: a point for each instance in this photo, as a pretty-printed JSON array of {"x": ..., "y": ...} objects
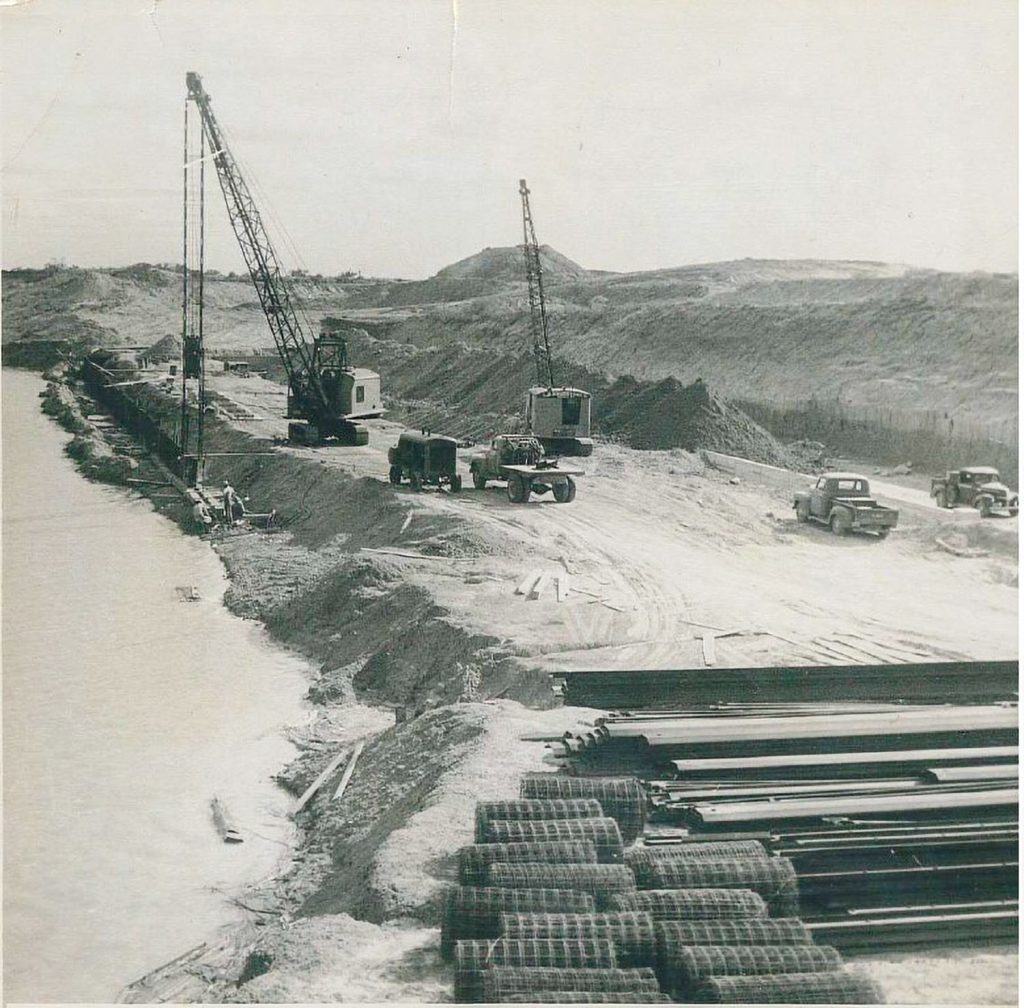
[
  {"x": 562, "y": 585},
  {"x": 321, "y": 777},
  {"x": 539, "y": 585},
  {"x": 347, "y": 776},
  {"x": 707, "y": 646},
  {"x": 388, "y": 551},
  {"x": 527, "y": 583}
]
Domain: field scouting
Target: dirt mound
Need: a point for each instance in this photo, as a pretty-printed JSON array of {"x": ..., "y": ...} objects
[
  {"x": 506, "y": 264},
  {"x": 166, "y": 349},
  {"x": 472, "y": 394},
  {"x": 669, "y": 414}
]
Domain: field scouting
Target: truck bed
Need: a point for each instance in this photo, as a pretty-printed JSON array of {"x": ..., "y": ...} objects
[{"x": 529, "y": 470}]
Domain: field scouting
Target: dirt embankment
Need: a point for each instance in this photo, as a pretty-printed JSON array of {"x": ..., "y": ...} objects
[
  {"x": 872, "y": 357},
  {"x": 406, "y": 601},
  {"x": 89, "y": 448},
  {"x": 473, "y": 394}
]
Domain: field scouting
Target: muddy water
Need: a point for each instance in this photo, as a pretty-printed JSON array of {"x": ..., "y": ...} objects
[{"x": 125, "y": 711}]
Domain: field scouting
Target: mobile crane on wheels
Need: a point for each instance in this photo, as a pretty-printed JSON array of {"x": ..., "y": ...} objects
[
  {"x": 556, "y": 415},
  {"x": 326, "y": 396}
]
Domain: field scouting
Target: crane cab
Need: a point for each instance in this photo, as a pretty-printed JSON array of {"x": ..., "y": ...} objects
[
  {"x": 559, "y": 418},
  {"x": 352, "y": 392}
]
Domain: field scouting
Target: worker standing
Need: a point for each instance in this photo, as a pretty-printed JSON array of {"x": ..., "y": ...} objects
[{"x": 228, "y": 503}]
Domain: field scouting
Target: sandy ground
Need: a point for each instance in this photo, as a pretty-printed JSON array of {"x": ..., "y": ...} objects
[{"x": 662, "y": 550}]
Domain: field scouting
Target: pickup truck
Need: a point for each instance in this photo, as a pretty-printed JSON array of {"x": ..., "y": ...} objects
[
  {"x": 520, "y": 459},
  {"x": 976, "y": 486},
  {"x": 843, "y": 501}
]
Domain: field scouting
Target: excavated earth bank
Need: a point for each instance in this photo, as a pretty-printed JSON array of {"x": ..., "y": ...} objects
[
  {"x": 431, "y": 690},
  {"x": 366, "y": 881}
]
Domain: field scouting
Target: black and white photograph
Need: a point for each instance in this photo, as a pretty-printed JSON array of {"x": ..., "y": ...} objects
[{"x": 510, "y": 501}]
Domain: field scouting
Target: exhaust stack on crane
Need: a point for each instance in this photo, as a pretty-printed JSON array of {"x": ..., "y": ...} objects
[
  {"x": 557, "y": 415},
  {"x": 326, "y": 396}
]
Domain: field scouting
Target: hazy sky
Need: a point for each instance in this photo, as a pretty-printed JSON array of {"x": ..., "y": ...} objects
[{"x": 389, "y": 137}]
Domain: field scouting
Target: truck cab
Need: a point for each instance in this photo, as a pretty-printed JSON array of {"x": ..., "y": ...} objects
[
  {"x": 980, "y": 487},
  {"x": 843, "y": 501}
]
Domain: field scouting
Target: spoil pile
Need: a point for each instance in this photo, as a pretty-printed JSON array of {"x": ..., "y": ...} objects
[{"x": 669, "y": 414}]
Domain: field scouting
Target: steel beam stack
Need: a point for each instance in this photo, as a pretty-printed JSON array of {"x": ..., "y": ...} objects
[
  {"x": 918, "y": 682},
  {"x": 899, "y": 819}
]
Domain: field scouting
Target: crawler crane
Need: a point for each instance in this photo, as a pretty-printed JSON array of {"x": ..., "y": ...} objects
[
  {"x": 556, "y": 415},
  {"x": 326, "y": 396}
]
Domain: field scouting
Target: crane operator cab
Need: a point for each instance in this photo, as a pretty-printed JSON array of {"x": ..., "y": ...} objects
[
  {"x": 342, "y": 395},
  {"x": 559, "y": 418}
]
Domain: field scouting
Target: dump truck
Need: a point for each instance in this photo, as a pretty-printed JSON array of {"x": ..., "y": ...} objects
[
  {"x": 520, "y": 460},
  {"x": 424, "y": 459},
  {"x": 843, "y": 501},
  {"x": 978, "y": 487}
]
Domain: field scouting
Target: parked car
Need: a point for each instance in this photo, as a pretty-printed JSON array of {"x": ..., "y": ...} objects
[
  {"x": 424, "y": 460},
  {"x": 843, "y": 501},
  {"x": 976, "y": 486}
]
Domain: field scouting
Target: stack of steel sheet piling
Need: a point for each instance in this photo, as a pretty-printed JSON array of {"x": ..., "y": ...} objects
[
  {"x": 897, "y": 822},
  {"x": 918, "y": 682},
  {"x": 555, "y": 908}
]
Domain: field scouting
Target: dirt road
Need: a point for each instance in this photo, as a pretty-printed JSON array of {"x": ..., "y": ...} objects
[{"x": 663, "y": 551}]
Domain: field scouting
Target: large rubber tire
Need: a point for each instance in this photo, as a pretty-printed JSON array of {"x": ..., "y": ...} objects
[
  {"x": 395, "y": 475},
  {"x": 456, "y": 483},
  {"x": 479, "y": 479},
  {"x": 803, "y": 511},
  {"x": 840, "y": 523},
  {"x": 984, "y": 506},
  {"x": 941, "y": 498},
  {"x": 565, "y": 493},
  {"x": 518, "y": 489},
  {"x": 883, "y": 533},
  {"x": 415, "y": 482}
]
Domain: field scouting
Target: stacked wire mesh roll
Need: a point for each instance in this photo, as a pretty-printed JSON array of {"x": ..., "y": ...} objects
[{"x": 555, "y": 907}]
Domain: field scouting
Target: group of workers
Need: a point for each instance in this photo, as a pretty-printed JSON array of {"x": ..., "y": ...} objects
[{"x": 232, "y": 509}]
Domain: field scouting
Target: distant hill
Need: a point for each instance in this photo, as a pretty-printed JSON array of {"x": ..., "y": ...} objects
[{"x": 505, "y": 265}]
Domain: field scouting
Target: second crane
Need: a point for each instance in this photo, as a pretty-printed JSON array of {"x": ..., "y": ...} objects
[{"x": 558, "y": 416}]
